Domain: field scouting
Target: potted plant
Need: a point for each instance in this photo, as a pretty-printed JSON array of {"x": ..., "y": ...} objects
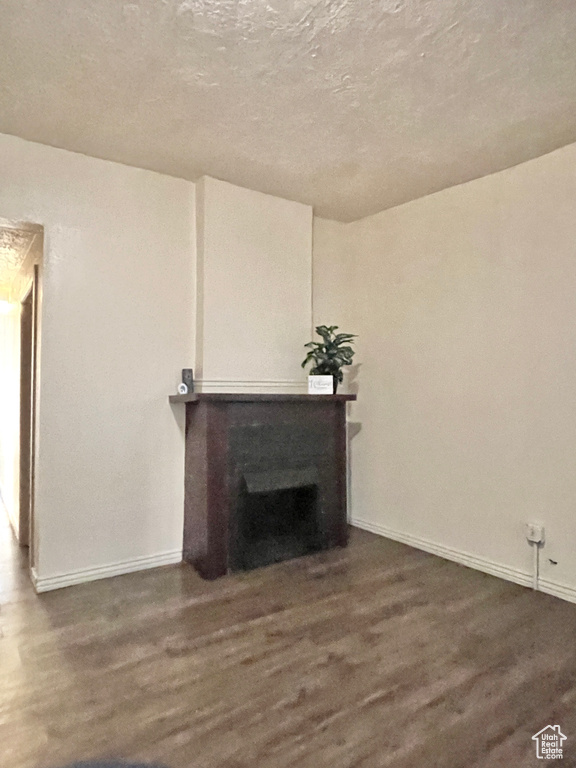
[{"x": 331, "y": 354}]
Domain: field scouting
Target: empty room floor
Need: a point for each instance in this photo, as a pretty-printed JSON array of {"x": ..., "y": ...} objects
[{"x": 372, "y": 656}]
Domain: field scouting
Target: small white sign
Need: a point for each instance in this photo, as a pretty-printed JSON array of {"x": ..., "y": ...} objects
[{"x": 320, "y": 385}]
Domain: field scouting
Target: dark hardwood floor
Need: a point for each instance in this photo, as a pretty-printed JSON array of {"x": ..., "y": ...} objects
[{"x": 378, "y": 655}]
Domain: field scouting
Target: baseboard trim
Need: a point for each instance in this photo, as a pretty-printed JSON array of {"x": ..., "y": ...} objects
[
  {"x": 49, "y": 583},
  {"x": 485, "y": 565},
  {"x": 563, "y": 591},
  {"x": 291, "y": 386}
]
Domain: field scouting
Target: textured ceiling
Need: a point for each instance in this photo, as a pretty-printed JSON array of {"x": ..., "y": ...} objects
[
  {"x": 350, "y": 105},
  {"x": 15, "y": 244}
]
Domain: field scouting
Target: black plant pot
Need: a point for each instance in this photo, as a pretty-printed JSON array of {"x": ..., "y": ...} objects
[{"x": 335, "y": 385}]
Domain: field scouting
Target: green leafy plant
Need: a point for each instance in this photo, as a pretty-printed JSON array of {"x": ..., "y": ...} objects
[{"x": 331, "y": 354}]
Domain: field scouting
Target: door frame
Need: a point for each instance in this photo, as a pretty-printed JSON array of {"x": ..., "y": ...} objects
[
  {"x": 28, "y": 407},
  {"x": 26, "y": 455}
]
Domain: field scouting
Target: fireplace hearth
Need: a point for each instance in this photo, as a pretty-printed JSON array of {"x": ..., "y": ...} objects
[{"x": 265, "y": 478}]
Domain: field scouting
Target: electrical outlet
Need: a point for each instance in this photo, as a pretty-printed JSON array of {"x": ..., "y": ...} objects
[{"x": 535, "y": 532}]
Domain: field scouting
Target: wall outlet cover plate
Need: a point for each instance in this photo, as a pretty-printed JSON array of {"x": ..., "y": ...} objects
[{"x": 535, "y": 532}]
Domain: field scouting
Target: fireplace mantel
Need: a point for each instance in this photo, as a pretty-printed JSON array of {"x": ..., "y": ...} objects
[
  {"x": 240, "y": 447},
  {"x": 252, "y": 397}
]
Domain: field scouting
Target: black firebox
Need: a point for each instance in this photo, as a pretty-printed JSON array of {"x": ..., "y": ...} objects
[{"x": 278, "y": 517}]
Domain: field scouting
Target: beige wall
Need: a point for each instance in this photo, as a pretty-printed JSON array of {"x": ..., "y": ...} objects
[
  {"x": 255, "y": 289},
  {"x": 334, "y": 273},
  {"x": 465, "y": 302},
  {"x": 117, "y": 327}
]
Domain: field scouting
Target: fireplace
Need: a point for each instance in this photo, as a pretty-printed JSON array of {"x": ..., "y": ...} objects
[{"x": 265, "y": 478}]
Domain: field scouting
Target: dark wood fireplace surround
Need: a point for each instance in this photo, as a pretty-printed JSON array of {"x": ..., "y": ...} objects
[{"x": 265, "y": 440}]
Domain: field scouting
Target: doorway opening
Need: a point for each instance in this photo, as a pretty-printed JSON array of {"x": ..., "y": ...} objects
[{"x": 21, "y": 248}]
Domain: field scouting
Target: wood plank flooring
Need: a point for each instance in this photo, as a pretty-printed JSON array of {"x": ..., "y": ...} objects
[{"x": 374, "y": 656}]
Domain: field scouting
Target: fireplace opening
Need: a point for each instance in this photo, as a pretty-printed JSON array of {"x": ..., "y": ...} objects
[{"x": 276, "y": 521}]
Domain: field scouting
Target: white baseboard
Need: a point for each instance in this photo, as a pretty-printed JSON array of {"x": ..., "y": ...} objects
[
  {"x": 48, "y": 583},
  {"x": 485, "y": 565},
  {"x": 563, "y": 591},
  {"x": 287, "y": 386}
]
